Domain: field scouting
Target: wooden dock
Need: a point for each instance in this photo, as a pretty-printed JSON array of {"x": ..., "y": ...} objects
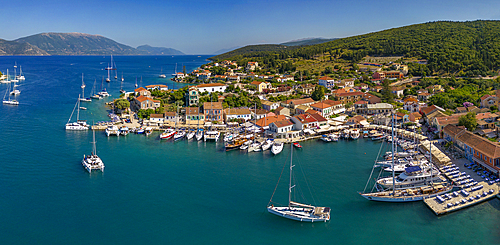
[{"x": 457, "y": 202}]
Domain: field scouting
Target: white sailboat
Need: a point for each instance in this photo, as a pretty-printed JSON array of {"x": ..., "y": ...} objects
[
  {"x": 161, "y": 74},
  {"x": 299, "y": 211},
  {"x": 83, "y": 92},
  {"x": 20, "y": 76},
  {"x": 122, "y": 77},
  {"x": 79, "y": 124},
  {"x": 8, "y": 100},
  {"x": 92, "y": 161}
]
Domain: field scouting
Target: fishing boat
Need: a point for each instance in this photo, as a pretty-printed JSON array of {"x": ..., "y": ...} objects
[
  {"x": 79, "y": 124},
  {"x": 233, "y": 145},
  {"x": 92, "y": 161},
  {"x": 277, "y": 148},
  {"x": 296, "y": 144},
  {"x": 168, "y": 134},
  {"x": 295, "y": 210},
  {"x": 112, "y": 130}
]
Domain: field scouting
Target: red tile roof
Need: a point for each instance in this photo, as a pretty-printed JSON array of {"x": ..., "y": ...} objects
[
  {"x": 283, "y": 123},
  {"x": 263, "y": 122}
]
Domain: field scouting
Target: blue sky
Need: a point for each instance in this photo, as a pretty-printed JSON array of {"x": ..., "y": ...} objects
[{"x": 203, "y": 27}]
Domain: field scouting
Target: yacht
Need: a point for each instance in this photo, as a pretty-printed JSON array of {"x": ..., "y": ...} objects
[
  {"x": 112, "y": 130},
  {"x": 199, "y": 134},
  {"x": 413, "y": 176},
  {"x": 326, "y": 138},
  {"x": 148, "y": 131},
  {"x": 180, "y": 134},
  {"x": 92, "y": 161}
]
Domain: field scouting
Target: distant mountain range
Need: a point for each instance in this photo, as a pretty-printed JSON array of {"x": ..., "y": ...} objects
[
  {"x": 76, "y": 44},
  {"x": 159, "y": 50}
]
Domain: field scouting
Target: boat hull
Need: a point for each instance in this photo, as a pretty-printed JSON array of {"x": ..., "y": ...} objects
[
  {"x": 298, "y": 214},
  {"x": 377, "y": 197}
]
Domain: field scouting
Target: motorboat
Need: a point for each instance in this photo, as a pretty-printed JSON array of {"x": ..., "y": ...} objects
[
  {"x": 168, "y": 134},
  {"x": 212, "y": 135},
  {"x": 277, "y": 147}
]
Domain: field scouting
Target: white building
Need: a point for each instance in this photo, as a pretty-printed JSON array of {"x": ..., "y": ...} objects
[{"x": 211, "y": 87}]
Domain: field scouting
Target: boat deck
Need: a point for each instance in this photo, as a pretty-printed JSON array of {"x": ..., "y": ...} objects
[{"x": 453, "y": 202}]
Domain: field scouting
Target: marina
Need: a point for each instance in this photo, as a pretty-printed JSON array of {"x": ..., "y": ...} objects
[{"x": 144, "y": 173}]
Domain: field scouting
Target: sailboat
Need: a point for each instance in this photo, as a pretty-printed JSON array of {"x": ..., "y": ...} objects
[
  {"x": 136, "y": 82},
  {"x": 83, "y": 92},
  {"x": 93, "y": 93},
  {"x": 20, "y": 76},
  {"x": 9, "y": 101},
  {"x": 116, "y": 71},
  {"x": 175, "y": 74},
  {"x": 121, "y": 86},
  {"x": 408, "y": 194},
  {"x": 299, "y": 211},
  {"x": 92, "y": 161},
  {"x": 122, "y": 77},
  {"x": 79, "y": 124},
  {"x": 161, "y": 74}
]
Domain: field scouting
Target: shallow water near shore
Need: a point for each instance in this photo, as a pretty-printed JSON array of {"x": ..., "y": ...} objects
[{"x": 157, "y": 192}]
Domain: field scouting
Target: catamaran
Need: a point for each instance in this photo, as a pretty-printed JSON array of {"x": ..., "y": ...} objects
[
  {"x": 92, "y": 161},
  {"x": 79, "y": 124},
  {"x": 299, "y": 211}
]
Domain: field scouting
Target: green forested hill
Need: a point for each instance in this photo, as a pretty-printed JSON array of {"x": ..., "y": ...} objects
[{"x": 464, "y": 48}]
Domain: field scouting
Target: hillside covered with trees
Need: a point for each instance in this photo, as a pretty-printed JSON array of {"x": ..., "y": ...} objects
[{"x": 457, "y": 48}]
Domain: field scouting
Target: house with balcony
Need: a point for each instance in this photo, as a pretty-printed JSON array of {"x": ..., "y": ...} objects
[{"x": 213, "y": 111}]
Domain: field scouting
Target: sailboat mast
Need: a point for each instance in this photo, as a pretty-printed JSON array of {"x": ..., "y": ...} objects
[
  {"x": 290, "y": 183},
  {"x": 393, "y": 153},
  {"x": 430, "y": 162},
  {"x": 78, "y": 109},
  {"x": 83, "y": 88},
  {"x": 94, "y": 150}
]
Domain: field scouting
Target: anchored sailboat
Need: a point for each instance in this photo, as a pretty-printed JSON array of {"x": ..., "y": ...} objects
[
  {"x": 92, "y": 161},
  {"x": 299, "y": 211},
  {"x": 83, "y": 92},
  {"x": 79, "y": 124}
]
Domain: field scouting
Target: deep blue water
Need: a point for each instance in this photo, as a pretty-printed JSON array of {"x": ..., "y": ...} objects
[{"x": 155, "y": 192}]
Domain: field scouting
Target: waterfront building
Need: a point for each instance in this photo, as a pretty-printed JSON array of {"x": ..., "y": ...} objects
[
  {"x": 304, "y": 121},
  {"x": 328, "y": 107},
  {"x": 194, "y": 115},
  {"x": 283, "y": 129},
  {"x": 264, "y": 122},
  {"x": 160, "y": 87},
  {"x": 144, "y": 103},
  {"x": 236, "y": 113},
  {"x": 171, "y": 116},
  {"x": 213, "y": 111},
  {"x": 475, "y": 148},
  {"x": 156, "y": 119}
]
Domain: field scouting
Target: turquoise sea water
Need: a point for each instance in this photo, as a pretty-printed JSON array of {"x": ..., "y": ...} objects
[{"x": 155, "y": 192}]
